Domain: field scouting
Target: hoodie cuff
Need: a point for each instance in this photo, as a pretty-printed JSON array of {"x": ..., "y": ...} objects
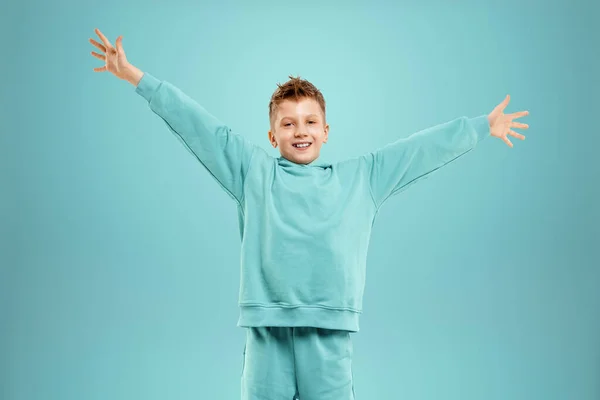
[
  {"x": 481, "y": 125},
  {"x": 147, "y": 86}
]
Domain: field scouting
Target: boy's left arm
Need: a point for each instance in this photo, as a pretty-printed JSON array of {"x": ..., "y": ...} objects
[{"x": 394, "y": 167}]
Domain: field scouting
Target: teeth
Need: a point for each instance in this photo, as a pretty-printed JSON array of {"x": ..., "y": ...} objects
[{"x": 302, "y": 145}]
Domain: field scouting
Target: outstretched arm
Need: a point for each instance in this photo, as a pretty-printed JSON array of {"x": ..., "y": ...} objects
[
  {"x": 394, "y": 167},
  {"x": 224, "y": 154}
]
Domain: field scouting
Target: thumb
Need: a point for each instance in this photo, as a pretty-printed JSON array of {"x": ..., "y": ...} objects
[
  {"x": 505, "y": 102},
  {"x": 500, "y": 107}
]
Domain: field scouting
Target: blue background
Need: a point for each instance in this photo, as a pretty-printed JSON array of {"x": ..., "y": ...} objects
[{"x": 120, "y": 253}]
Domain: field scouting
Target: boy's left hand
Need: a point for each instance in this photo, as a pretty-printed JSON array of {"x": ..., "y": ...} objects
[{"x": 501, "y": 124}]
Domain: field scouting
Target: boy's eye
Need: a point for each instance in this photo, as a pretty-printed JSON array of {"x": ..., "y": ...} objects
[{"x": 289, "y": 123}]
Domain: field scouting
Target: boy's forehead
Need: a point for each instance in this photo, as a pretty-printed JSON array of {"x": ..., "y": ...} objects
[{"x": 304, "y": 106}]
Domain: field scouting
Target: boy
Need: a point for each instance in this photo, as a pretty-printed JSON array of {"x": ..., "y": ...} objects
[{"x": 304, "y": 223}]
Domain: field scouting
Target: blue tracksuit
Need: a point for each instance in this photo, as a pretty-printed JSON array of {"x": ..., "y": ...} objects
[{"x": 305, "y": 229}]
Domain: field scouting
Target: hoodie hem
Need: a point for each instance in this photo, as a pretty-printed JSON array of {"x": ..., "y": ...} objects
[{"x": 301, "y": 316}]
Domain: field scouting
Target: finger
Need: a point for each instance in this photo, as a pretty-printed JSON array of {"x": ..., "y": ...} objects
[
  {"x": 98, "y": 45},
  {"x": 508, "y": 142},
  {"x": 100, "y": 56},
  {"x": 103, "y": 38},
  {"x": 100, "y": 69},
  {"x": 518, "y": 125},
  {"x": 517, "y": 114},
  {"x": 500, "y": 107},
  {"x": 119, "y": 44},
  {"x": 517, "y": 135}
]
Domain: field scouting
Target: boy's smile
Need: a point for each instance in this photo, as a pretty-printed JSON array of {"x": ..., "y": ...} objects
[{"x": 299, "y": 129}]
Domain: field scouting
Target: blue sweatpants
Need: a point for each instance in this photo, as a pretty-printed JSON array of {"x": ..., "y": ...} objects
[{"x": 304, "y": 363}]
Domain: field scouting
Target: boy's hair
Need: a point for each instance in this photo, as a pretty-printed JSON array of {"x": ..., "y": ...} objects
[{"x": 296, "y": 89}]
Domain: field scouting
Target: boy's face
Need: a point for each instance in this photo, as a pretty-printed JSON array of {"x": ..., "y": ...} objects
[{"x": 295, "y": 123}]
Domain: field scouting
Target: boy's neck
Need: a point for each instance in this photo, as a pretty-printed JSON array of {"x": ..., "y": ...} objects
[{"x": 317, "y": 162}]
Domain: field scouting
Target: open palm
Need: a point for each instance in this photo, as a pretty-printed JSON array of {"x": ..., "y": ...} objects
[
  {"x": 501, "y": 124},
  {"x": 113, "y": 56}
]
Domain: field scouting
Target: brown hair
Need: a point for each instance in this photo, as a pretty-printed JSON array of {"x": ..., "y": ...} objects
[{"x": 296, "y": 89}]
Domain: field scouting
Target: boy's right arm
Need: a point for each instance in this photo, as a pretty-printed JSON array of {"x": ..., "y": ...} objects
[{"x": 225, "y": 155}]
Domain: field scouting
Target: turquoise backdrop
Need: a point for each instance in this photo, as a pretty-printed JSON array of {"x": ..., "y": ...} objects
[{"x": 120, "y": 254}]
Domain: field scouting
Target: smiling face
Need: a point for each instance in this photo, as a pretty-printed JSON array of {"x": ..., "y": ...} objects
[{"x": 296, "y": 124}]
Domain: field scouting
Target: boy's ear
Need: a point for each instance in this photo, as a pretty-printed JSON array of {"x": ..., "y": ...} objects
[
  {"x": 326, "y": 136},
  {"x": 272, "y": 139}
]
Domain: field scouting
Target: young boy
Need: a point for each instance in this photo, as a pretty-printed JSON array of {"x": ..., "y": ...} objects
[{"x": 304, "y": 223}]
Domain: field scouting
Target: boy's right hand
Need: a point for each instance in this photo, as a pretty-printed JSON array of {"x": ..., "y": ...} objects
[{"x": 115, "y": 59}]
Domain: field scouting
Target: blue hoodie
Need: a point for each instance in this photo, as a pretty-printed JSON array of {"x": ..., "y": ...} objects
[{"x": 305, "y": 228}]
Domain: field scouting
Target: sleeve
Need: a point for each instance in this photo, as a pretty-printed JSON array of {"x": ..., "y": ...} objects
[
  {"x": 224, "y": 154},
  {"x": 397, "y": 165}
]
